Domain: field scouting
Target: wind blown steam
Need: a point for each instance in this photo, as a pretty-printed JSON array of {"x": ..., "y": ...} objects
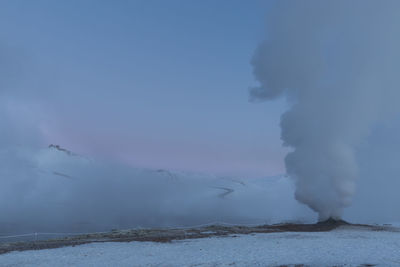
[
  {"x": 49, "y": 189},
  {"x": 338, "y": 63}
]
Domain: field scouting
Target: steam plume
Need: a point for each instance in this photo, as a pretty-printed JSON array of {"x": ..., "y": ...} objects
[{"x": 337, "y": 62}]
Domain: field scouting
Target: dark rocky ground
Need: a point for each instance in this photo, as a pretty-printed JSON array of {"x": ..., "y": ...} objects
[{"x": 168, "y": 235}]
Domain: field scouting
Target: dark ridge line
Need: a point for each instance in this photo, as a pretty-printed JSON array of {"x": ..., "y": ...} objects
[{"x": 59, "y": 148}]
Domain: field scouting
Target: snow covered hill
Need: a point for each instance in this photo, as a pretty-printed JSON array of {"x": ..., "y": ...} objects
[{"x": 56, "y": 190}]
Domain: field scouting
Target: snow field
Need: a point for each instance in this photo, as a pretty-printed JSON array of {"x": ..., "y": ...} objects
[{"x": 343, "y": 247}]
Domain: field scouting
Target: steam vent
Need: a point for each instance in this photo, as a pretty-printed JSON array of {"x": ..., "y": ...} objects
[{"x": 333, "y": 222}]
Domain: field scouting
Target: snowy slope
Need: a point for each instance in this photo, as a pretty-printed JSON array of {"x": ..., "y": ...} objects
[
  {"x": 65, "y": 192},
  {"x": 342, "y": 247}
]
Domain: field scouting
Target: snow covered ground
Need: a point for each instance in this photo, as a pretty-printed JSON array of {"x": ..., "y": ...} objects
[{"x": 341, "y": 247}]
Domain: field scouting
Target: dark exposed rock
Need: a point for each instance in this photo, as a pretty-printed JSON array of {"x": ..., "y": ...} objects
[
  {"x": 333, "y": 222},
  {"x": 59, "y": 148}
]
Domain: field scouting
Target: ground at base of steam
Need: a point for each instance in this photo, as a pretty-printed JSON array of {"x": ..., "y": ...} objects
[
  {"x": 343, "y": 246},
  {"x": 173, "y": 234}
]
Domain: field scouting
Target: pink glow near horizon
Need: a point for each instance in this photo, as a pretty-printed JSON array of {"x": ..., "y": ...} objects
[{"x": 163, "y": 154}]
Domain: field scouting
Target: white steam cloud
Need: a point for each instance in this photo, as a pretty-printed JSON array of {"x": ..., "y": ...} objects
[
  {"x": 47, "y": 189},
  {"x": 338, "y": 63}
]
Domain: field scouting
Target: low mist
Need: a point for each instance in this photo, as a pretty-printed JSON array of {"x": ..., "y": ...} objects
[
  {"x": 54, "y": 190},
  {"x": 47, "y": 188}
]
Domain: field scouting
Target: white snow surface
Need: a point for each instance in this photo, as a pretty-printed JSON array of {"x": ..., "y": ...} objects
[{"x": 341, "y": 247}]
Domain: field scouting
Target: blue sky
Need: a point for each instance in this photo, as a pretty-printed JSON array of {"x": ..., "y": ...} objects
[{"x": 158, "y": 84}]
